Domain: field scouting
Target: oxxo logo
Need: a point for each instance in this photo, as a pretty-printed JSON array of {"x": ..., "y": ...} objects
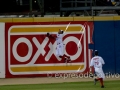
[{"x": 41, "y": 50}]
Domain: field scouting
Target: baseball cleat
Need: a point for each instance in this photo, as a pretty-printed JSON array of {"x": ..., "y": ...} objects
[
  {"x": 102, "y": 86},
  {"x": 69, "y": 60},
  {"x": 66, "y": 60}
]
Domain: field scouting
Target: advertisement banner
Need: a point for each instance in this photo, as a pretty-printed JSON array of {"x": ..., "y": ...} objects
[{"x": 29, "y": 52}]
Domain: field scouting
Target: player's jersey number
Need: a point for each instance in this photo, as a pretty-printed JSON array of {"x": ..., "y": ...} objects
[{"x": 96, "y": 63}]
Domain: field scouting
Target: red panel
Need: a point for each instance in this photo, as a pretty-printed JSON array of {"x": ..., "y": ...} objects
[{"x": 22, "y": 48}]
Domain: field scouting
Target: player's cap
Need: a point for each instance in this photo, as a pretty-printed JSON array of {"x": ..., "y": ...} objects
[
  {"x": 61, "y": 30},
  {"x": 96, "y": 52}
]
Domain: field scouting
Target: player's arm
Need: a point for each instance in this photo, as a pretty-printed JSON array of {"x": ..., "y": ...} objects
[
  {"x": 91, "y": 65},
  {"x": 51, "y": 36},
  {"x": 102, "y": 61},
  {"x": 54, "y": 36},
  {"x": 91, "y": 68},
  {"x": 91, "y": 72}
]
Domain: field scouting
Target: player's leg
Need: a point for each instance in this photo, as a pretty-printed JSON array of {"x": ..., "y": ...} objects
[
  {"x": 57, "y": 52},
  {"x": 96, "y": 77},
  {"x": 100, "y": 76},
  {"x": 101, "y": 82},
  {"x": 67, "y": 57},
  {"x": 103, "y": 77},
  {"x": 61, "y": 51}
]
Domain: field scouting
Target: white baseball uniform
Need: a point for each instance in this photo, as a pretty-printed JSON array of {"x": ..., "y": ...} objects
[
  {"x": 60, "y": 47},
  {"x": 97, "y": 62}
]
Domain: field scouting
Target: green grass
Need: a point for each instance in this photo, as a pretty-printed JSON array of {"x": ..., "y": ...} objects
[{"x": 109, "y": 85}]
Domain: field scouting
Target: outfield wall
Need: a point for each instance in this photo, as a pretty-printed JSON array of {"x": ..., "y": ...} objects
[{"x": 25, "y": 50}]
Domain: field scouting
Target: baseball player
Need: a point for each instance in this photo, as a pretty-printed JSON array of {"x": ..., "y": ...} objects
[
  {"x": 60, "y": 45},
  {"x": 97, "y": 63}
]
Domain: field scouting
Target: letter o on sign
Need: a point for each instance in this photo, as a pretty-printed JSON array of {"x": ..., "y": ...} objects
[
  {"x": 76, "y": 40},
  {"x": 14, "y": 49}
]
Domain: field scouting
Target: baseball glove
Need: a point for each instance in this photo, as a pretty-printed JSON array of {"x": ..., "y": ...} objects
[
  {"x": 48, "y": 34},
  {"x": 91, "y": 75}
]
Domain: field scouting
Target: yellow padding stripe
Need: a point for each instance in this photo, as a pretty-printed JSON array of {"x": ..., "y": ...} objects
[
  {"x": 61, "y": 19},
  {"x": 44, "y": 19},
  {"x": 45, "y": 29},
  {"x": 116, "y": 18},
  {"x": 23, "y": 20},
  {"x": 102, "y": 18},
  {"x": 6, "y": 20},
  {"x": 83, "y": 18},
  {"x": 46, "y": 68}
]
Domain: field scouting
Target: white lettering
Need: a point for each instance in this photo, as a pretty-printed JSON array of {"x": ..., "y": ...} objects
[
  {"x": 51, "y": 52},
  {"x": 74, "y": 39},
  {"x": 30, "y": 49},
  {"x": 48, "y": 56},
  {"x": 40, "y": 49}
]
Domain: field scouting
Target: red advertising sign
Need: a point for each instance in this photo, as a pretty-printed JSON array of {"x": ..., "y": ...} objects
[{"x": 29, "y": 52}]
